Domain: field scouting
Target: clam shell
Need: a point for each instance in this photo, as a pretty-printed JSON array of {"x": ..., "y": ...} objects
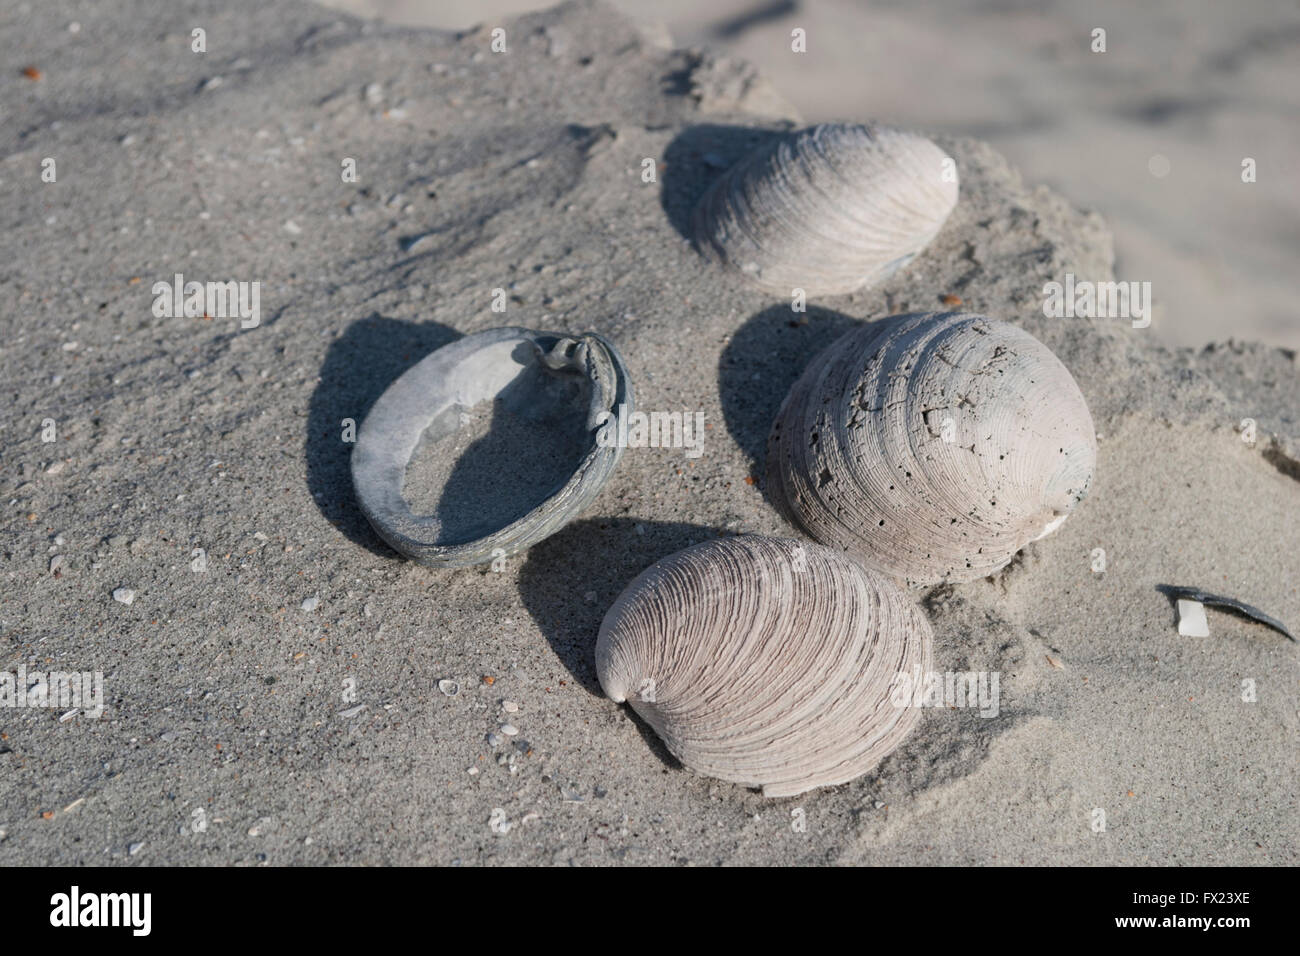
[
  {"x": 539, "y": 465},
  {"x": 765, "y": 662},
  {"x": 828, "y": 209},
  {"x": 932, "y": 447}
]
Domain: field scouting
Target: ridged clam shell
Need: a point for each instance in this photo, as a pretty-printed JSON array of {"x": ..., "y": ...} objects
[
  {"x": 932, "y": 447},
  {"x": 766, "y": 662},
  {"x": 828, "y": 209},
  {"x": 558, "y": 390}
]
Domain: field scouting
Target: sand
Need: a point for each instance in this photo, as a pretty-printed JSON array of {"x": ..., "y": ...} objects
[
  {"x": 282, "y": 706},
  {"x": 1152, "y": 131}
]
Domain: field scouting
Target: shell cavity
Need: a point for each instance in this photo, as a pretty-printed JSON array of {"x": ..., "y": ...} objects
[
  {"x": 829, "y": 209},
  {"x": 932, "y": 447},
  {"x": 538, "y": 400},
  {"x": 766, "y": 662}
]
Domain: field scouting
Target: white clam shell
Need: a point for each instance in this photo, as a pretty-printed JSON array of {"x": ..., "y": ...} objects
[
  {"x": 555, "y": 393},
  {"x": 828, "y": 209},
  {"x": 932, "y": 447},
  {"x": 766, "y": 662}
]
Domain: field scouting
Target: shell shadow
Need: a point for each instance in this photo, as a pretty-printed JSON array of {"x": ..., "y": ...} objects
[
  {"x": 695, "y": 158},
  {"x": 764, "y": 358},
  {"x": 597, "y": 556},
  {"x": 490, "y": 483},
  {"x": 362, "y": 362}
]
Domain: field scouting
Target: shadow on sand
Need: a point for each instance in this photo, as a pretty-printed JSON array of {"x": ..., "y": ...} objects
[
  {"x": 360, "y": 364},
  {"x": 764, "y": 358},
  {"x": 696, "y": 158},
  {"x": 571, "y": 579}
]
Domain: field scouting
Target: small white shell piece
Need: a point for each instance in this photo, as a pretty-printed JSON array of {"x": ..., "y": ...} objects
[
  {"x": 765, "y": 661},
  {"x": 829, "y": 209},
  {"x": 1191, "y": 619},
  {"x": 932, "y": 447}
]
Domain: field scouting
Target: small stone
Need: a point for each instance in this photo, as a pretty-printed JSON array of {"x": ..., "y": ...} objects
[
  {"x": 134, "y": 848},
  {"x": 123, "y": 595},
  {"x": 413, "y": 243},
  {"x": 292, "y": 228},
  {"x": 56, "y": 565},
  {"x": 495, "y": 740},
  {"x": 448, "y": 687},
  {"x": 510, "y": 730},
  {"x": 55, "y": 467},
  {"x": 352, "y": 711},
  {"x": 311, "y": 603},
  {"x": 557, "y": 42},
  {"x": 510, "y": 707}
]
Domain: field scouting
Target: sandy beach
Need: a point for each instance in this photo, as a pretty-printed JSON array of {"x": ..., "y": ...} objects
[
  {"x": 271, "y": 688},
  {"x": 1151, "y": 132}
]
